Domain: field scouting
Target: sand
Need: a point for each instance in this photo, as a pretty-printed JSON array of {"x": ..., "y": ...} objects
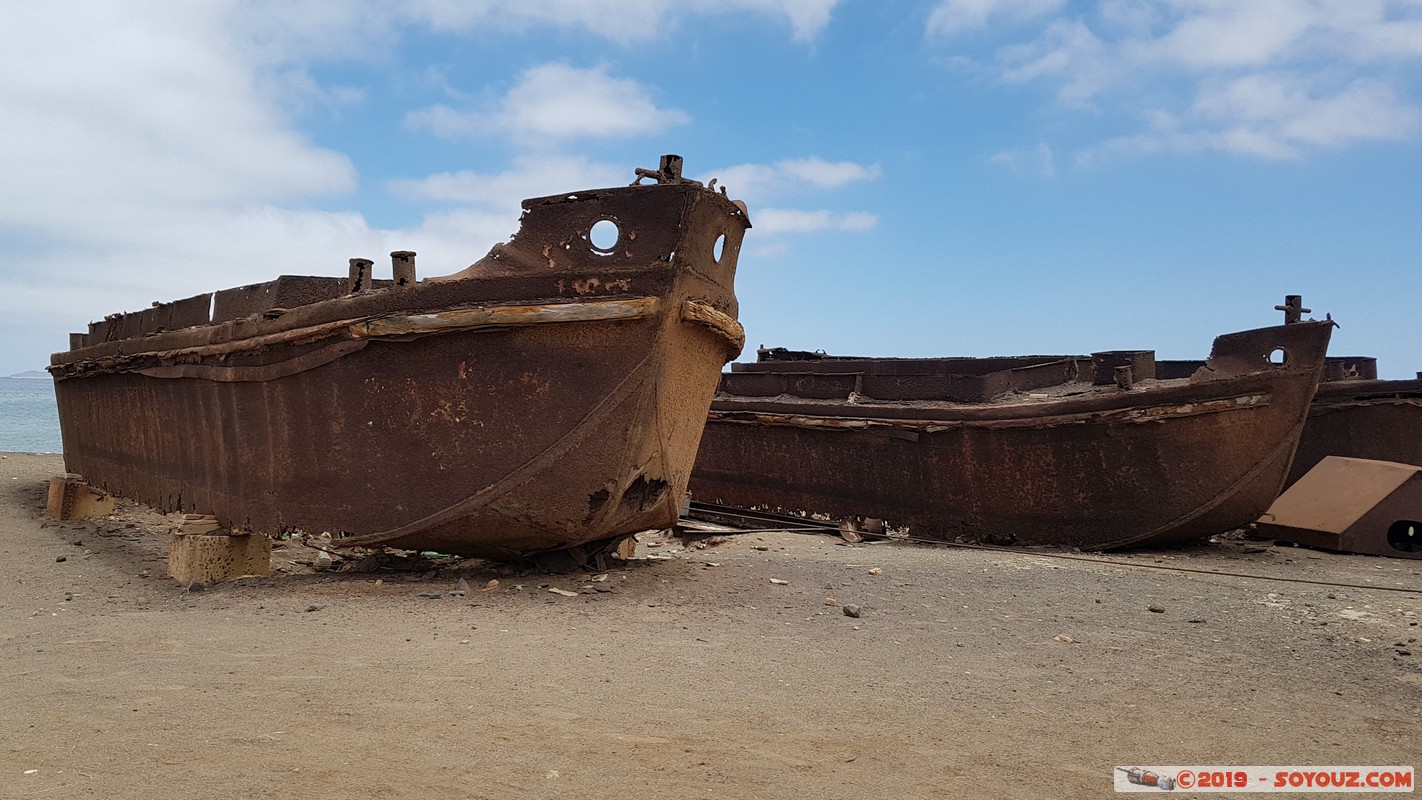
[{"x": 690, "y": 675}]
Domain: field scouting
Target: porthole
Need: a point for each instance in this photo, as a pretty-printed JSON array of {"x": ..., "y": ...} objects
[{"x": 604, "y": 235}]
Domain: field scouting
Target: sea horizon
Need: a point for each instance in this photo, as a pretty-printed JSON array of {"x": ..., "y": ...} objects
[{"x": 29, "y": 414}]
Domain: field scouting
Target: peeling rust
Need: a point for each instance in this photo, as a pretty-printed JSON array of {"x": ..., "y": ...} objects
[
  {"x": 1033, "y": 449},
  {"x": 497, "y": 411}
]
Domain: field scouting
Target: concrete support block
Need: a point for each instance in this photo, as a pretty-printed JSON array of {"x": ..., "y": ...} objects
[
  {"x": 70, "y": 497},
  {"x": 209, "y": 558}
]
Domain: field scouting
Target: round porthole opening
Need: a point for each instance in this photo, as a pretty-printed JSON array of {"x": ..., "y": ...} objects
[
  {"x": 1278, "y": 357},
  {"x": 603, "y": 236}
]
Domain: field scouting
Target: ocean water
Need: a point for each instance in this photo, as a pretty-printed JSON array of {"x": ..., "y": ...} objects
[{"x": 29, "y": 418}]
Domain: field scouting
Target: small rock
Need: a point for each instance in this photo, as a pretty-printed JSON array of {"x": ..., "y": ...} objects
[
  {"x": 760, "y": 547},
  {"x": 491, "y": 585},
  {"x": 876, "y": 571},
  {"x": 314, "y": 607},
  {"x": 368, "y": 564},
  {"x": 1195, "y": 621},
  {"x": 323, "y": 561},
  {"x": 601, "y": 588},
  {"x": 1063, "y": 638},
  {"x": 431, "y": 595},
  {"x": 851, "y": 610},
  {"x": 461, "y": 588},
  {"x": 563, "y": 592},
  {"x": 830, "y": 601},
  {"x": 197, "y": 586},
  {"x": 60, "y": 559},
  {"x": 1404, "y": 652},
  {"x": 779, "y": 582},
  {"x": 1155, "y": 609}
]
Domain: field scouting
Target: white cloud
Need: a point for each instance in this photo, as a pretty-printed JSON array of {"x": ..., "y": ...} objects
[
  {"x": 110, "y": 114},
  {"x": 788, "y": 220},
  {"x": 757, "y": 182},
  {"x": 1226, "y": 33},
  {"x": 1067, "y": 50},
  {"x": 1274, "y": 116},
  {"x": 1039, "y": 160},
  {"x": 955, "y": 16},
  {"x": 328, "y": 28},
  {"x": 531, "y": 177},
  {"x": 1263, "y": 78},
  {"x": 557, "y": 102}
]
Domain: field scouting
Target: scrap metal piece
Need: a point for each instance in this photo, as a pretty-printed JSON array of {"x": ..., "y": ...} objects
[
  {"x": 550, "y": 396},
  {"x": 1016, "y": 450},
  {"x": 1352, "y": 505}
]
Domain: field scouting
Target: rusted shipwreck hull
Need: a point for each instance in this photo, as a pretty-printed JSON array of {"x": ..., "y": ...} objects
[
  {"x": 1354, "y": 414},
  {"x": 549, "y": 396},
  {"x": 1065, "y": 450},
  {"x": 1358, "y": 416}
]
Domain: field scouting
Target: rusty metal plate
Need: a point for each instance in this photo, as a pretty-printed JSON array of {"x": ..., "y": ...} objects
[{"x": 1352, "y": 505}]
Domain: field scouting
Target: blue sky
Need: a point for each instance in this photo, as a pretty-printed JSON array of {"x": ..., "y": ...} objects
[{"x": 944, "y": 177}]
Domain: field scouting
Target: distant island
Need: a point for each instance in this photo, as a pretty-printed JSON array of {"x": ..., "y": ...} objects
[{"x": 31, "y": 375}]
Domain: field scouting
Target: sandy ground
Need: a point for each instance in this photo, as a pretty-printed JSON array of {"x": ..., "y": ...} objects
[{"x": 968, "y": 674}]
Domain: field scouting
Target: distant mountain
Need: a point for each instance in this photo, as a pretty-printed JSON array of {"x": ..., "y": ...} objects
[{"x": 31, "y": 375}]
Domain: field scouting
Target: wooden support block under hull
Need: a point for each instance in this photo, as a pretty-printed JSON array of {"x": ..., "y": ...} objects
[
  {"x": 208, "y": 558},
  {"x": 70, "y": 497}
]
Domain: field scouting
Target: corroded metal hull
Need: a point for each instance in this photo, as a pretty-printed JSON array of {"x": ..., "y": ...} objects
[
  {"x": 1363, "y": 418},
  {"x": 551, "y": 395},
  {"x": 1354, "y": 414},
  {"x": 1035, "y": 452}
]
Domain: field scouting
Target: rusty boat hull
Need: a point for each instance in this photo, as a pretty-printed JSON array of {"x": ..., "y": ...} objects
[
  {"x": 1379, "y": 420},
  {"x": 1354, "y": 414},
  {"x": 549, "y": 396},
  {"x": 1064, "y": 450}
]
